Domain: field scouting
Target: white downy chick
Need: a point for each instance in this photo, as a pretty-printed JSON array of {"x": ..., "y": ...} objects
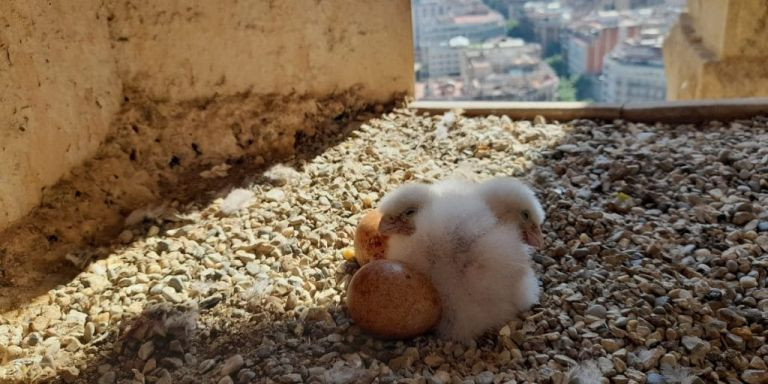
[
  {"x": 480, "y": 268},
  {"x": 515, "y": 203}
]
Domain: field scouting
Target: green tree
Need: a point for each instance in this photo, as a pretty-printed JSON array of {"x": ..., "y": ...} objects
[
  {"x": 575, "y": 88},
  {"x": 557, "y": 62},
  {"x": 565, "y": 90}
]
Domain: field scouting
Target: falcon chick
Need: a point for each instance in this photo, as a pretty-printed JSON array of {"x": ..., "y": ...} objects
[{"x": 479, "y": 265}]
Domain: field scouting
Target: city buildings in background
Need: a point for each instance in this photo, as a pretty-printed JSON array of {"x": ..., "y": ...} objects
[
  {"x": 634, "y": 70},
  {"x": 598, "y": 50},
  {"x": 507, "y": 69}
]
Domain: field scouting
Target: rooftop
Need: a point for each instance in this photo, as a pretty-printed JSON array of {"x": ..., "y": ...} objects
[
  {"x": 645, "y": 50},
  {"x": 483, "y": 18}
]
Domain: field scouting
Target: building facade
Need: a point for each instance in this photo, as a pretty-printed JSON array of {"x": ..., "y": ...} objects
[
  {"x": 549, "y": 20},
  {"x": 634, "y": 72},
  {"x": 444, "y": 60},
  {"x": 507, "y": 69}
]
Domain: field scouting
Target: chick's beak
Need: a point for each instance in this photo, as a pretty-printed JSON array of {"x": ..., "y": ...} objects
[
  {"x": 532, "y": 236},
  {"x": 388, "y": 226},
  {"x": 395, "y": 225}
]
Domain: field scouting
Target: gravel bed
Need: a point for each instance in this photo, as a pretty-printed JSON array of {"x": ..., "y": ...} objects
[{"x": 654, "y": 269}]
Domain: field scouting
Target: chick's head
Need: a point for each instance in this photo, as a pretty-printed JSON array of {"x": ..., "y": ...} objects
[
  {"x": 399, "y": 209},
  {"x": 514, "y": 202}
]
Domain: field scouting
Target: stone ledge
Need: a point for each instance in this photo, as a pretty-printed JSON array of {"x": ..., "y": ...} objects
[{"x": 663, "y": 112}]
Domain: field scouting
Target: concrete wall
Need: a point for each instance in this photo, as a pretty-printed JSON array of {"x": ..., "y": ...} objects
[
  {"x": 60, "y": 90},
  {"x": 731, "y": 28},
  {"x": 64, "y": 66},
  {"x": 718, "y": 50},
  {"x": 174, "y": 50}
]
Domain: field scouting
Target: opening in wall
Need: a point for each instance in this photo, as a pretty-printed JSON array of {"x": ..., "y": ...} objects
[{"x": 606, "y": 51}]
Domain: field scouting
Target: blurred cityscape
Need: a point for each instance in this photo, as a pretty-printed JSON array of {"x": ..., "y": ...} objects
[{"x": 568, "y": 50}]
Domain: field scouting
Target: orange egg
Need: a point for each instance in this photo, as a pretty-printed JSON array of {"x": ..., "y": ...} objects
[
  {"x": 369, "y": 243},
  {"x": 391, "y": 300}
]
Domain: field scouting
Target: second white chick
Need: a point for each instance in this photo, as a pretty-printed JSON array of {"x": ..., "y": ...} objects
[
  {"x": 480, "y": 267},
  {"x": 515, "y": 204}
]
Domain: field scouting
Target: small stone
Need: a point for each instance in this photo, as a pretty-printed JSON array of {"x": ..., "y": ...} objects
[
  {"x": 232, "y": 365},
  {"x": 47, "y": 361},
  {"x": 401, "y": 362},
  {"x": 162, "y": 246},
  {"x": 176, "y": 283},
  {"x": 210, "y": 301},
  {"x": 618, "y": 379},
  {"x": 97, "y": 282},
  {"x": 40, "y": 323},
  {"x": 735, "y": 341},
  {"x": 668, "y": 360},
  {"x": 149, "y": 366},
  {"x": 165, "y": 377},
  {"x": 12, "y": 352},
  {"x": 606, "y": 366},
  {"x": 754, "y": 376},
  {"x": 691, "y": 343},
  {"x": 69, "y": 374},
  {"x": 733, "y": 318},
  {"x": 655, "y": 378},
  {"x": 253, "y": 268},
  {"x": 757, "y": 363},
  {"x": 741, "y": 218},
  {"x": 441, "y": 377},
  {"x": 176, "y": 347},
  {"x": 206, "y": 365},
  {"x": 225, "y": 380},
  {"x": 635, "y": 375},
  {"x": 433, "y": 361},
  {"x": 762, "y": 242},
  {"x": 748, "y": 282},
  {"x": 275, "y": 194},
  {"x": 108, "y": 377},
  {"x": 88, "y": 332},
  {"x": 290, "y": 378},
  {"x": 171, "y": 295},
  {"x": 597, "y": 310},
  {"x": 648, "y": 359},
  {"x": 34, "y": 338},
  {"x": 565, "y": 361},
  {"x": 610, "y": 345},
  {"x": 580, "y": 253},
  {"x": 697, "y": 347},
  {"x": 173, "y": 362},
  {"x": 762, "y": 226},
  {"x": 146, "y": 350},
  {"x": 714, "y": 294},
  {"x": 485, "y": 377},
  {"x": 245, "y": 376}
]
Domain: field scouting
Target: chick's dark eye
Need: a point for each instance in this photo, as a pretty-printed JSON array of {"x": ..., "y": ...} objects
[
  {"x": 410, "y": 212},
  {"x": 526, "y": 215}
]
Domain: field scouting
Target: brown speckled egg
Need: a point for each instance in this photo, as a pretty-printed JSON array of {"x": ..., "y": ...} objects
[
  {"x": 369, "y": 243},
  {"x": 391, "y": 300}
]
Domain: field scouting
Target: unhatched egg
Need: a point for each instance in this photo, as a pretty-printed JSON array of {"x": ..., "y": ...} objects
[
  {"x": 369, "y": 243},
  {"x": 391, "y": 300}
]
